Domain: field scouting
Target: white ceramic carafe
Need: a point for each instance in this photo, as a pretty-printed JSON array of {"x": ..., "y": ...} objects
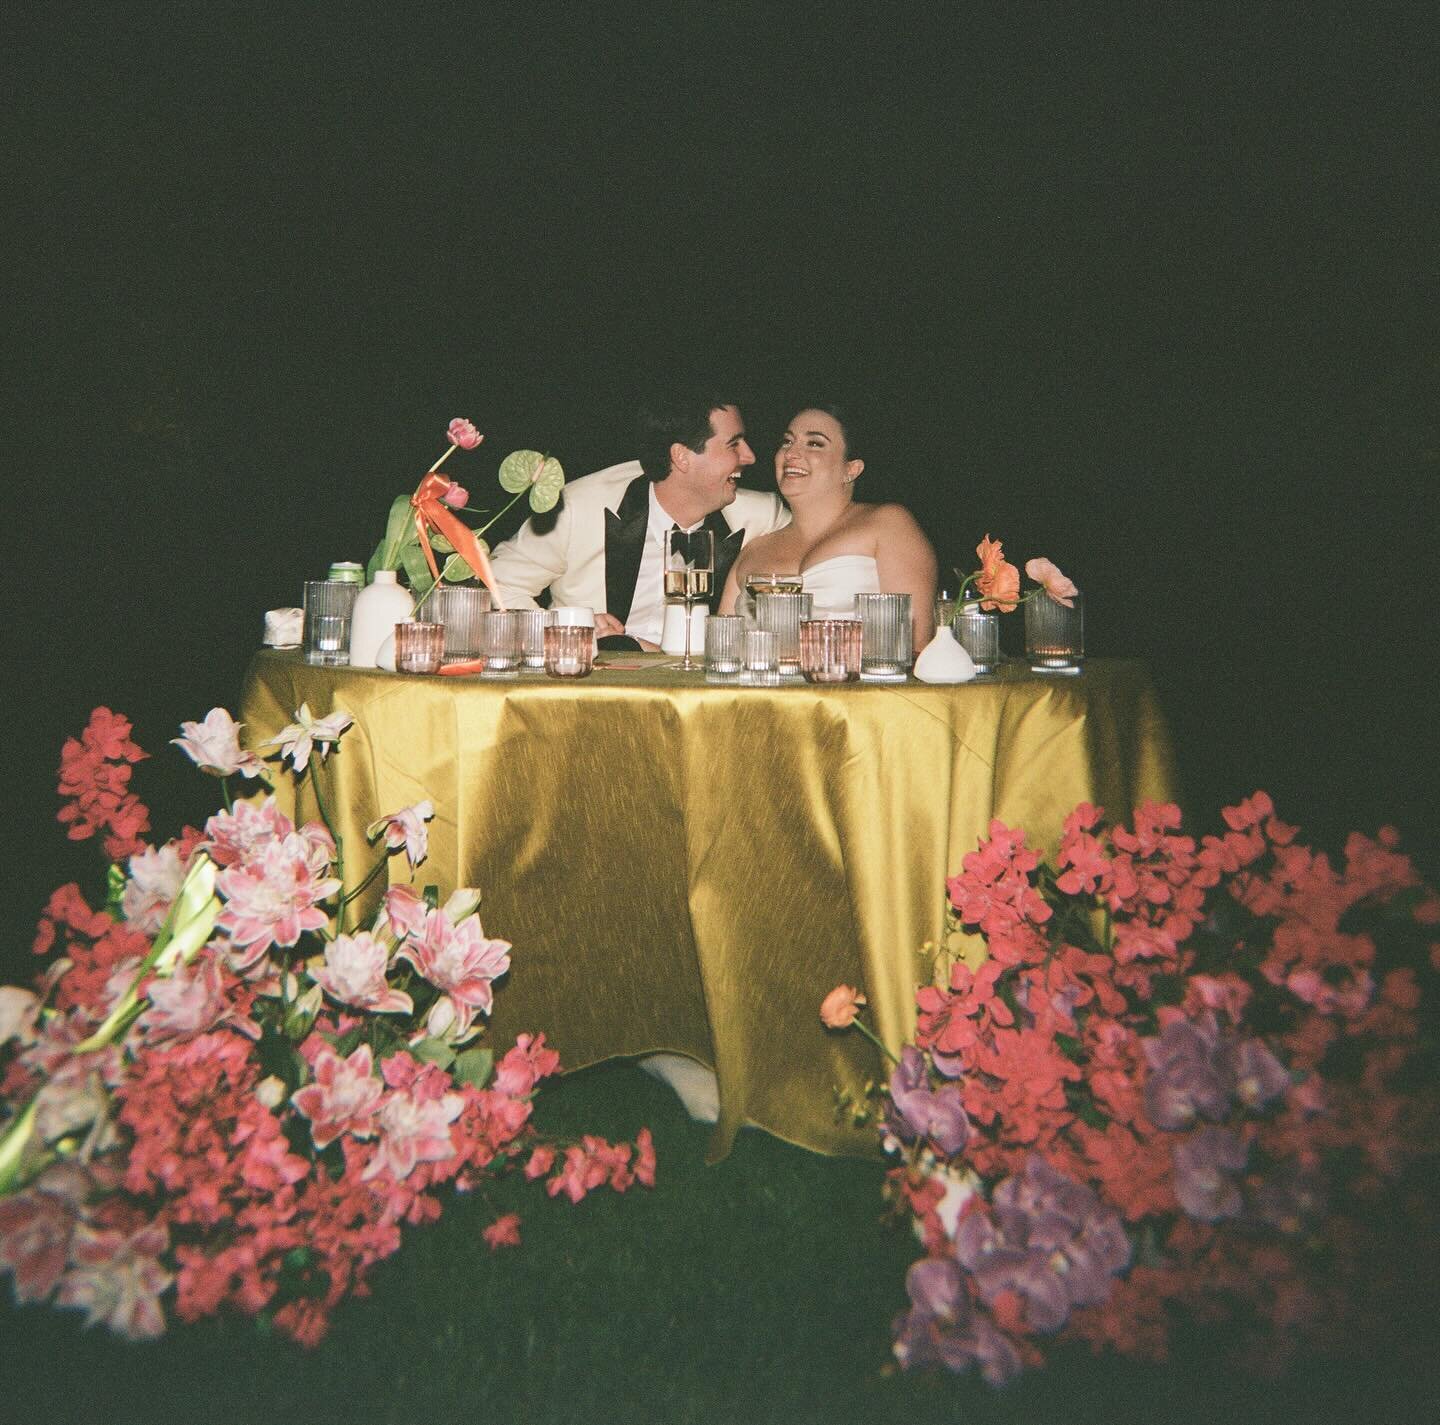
[{"x": 378, "y": 608}]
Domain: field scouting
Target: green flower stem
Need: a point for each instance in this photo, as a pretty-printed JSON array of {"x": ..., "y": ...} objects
[
  {"x": 373, "y": 872},
  {"x": 225, "y": 794},
  {"x": 864, "y": 1029},
  {"x": 339, "y": 849},
  {"x": 442, "y": 459}
]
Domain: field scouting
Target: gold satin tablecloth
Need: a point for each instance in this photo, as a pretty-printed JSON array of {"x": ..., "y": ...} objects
[{"x": 691, "y": 867}]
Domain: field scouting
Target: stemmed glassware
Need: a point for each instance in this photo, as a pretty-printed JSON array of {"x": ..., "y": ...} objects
[{"x": 689, "y": 568}]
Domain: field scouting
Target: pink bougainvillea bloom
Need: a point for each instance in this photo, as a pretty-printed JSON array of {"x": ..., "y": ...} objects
[
  {"x": 155, "y": 877},
  {"x": 540, "y": 1163},
  {"x": 117, "y": 1279},
  {"x": 406, "y": 828},
  {"x": 463, "y": 434},
  {"x": 344, "y": 1098},
  {"x": 307, "y": 733},
  {"x": 459, "y": 960},
  {"x": 503, "y": 1232},
  {"x": 457, "y": 496},
  {"x": 839, "y": 1008},
  {"x": 1044, "y": 573},
  {"x": 524, "y": 1066},
  {"x": 354, "y": 974},
  {"x": 645, "y": 1158},
  {"x": 272, "y": 898},
  {"x": 214, "y": 745}
]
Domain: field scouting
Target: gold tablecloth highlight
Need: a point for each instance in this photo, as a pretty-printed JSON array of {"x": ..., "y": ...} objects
[{"x": 692, "y": 867}]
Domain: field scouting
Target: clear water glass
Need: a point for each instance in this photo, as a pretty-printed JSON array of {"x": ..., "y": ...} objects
[
  {"x": 782, "y": 614},
  {"x": 329, "y": 604},
  {"x": 886, "y": 650},
  {"x": 569, "y": 650},
  {"x": 762, "y": 658},
  {"x": 1054, "y": 635},
  {"x": 530, "y": 635},
  {"x": 723, "y": 633},
  {"x": 499, "y": 643},
  {"x": 979, "y": 635},
  {"x": 459, "y": 609}
]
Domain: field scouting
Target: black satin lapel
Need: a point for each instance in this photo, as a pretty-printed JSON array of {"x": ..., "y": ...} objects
[
  {"x": 624, "y": 544},
  {"x": 727, "y": 546}
]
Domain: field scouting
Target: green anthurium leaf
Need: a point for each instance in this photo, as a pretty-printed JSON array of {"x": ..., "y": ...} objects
[
  {"x": 473, "y": 1067},
  {"x": 549, "y": 481},
  {"x": 457, "y": 569},
  {"x": 434, "y": 1051},
  {"x": 517, "y": 470},
  {"x": 440, "y": 544},
  {"x": 529, "y": 470},
  {"x": 412, "y": 560}
]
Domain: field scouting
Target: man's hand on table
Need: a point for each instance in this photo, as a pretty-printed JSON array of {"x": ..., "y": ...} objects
[{"x": 608, "y": 626}]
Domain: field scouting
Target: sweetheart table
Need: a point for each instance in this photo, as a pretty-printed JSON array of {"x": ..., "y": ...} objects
[{"x": 691, "y": 867}]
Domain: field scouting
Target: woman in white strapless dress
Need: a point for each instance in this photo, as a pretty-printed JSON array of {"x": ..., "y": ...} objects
[{"x": 838, "y": 546}]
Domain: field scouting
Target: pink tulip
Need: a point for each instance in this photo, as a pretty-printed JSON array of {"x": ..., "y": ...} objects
[
  {"x": 464, "y": 434},
  {"x": 457, "y": 496},
  {"x": 1044, "y": 573}
]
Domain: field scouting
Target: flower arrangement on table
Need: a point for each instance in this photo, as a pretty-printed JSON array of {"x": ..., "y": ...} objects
[
  {"x": 221, "y": 1090},
  {"x": 997, "y": 582},
  {"x": 421, "y": 524},
  {"x": 1180, "y": 1080}
]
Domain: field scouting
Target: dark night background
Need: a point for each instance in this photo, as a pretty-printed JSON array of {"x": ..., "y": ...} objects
[{"x": 1149, "y": 288}]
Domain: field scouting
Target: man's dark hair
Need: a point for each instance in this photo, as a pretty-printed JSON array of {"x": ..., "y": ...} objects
[{"x": 684, "y": 417}]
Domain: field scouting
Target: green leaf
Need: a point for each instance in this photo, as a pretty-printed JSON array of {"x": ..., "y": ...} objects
[
  {"x": 399, "y": 530},
  {"x": 440, "y": 544},
  {"x": 416, "y": 569},
  {"x": 541, "y": 475},
  {"x": 434, "y": 1051},
  {"x": 457, "y": 569},
  {"x": 473, "y": 1067}
]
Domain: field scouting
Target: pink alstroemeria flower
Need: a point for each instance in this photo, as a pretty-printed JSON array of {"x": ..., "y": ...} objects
[
  {"x": 192, "y": 1001},
  {"x": 459, "y": 960},
  {"x": 457, "y": 496},
  {"x": 354, "y": 974},
  {"x": 1044, "y": 573},
  {"x": 307, "y": 733},
  {"x": 117, "y": 1279},
  {"x": 155, "y": 877},
  {"x": 232, "y": 836},
  {"x": 214, "y": 745},
  {"x": 344, "y": 1098},
  {"x": 405, "y": 908},
  {"x": 463, "y": 434},
  {"x": 414, "y": 1130},
  {"x": 272, "y": 898},
  {"x": 405, "y": 828}
]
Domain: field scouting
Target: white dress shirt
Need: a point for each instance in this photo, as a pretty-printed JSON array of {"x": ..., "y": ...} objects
[{"x": 647, "y": 608}]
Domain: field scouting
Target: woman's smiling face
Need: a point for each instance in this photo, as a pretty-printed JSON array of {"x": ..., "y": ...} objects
[{"x": 812, "y": 455}]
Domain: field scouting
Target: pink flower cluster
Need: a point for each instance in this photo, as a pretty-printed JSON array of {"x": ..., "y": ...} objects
[
  {"x": 95, "y": 772},
  {"x": 1203, "y": 1045},
  {"x": 198, "y": 1167}
]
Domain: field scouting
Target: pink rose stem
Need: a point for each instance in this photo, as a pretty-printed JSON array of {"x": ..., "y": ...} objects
[{"x": 442, "y": 459}]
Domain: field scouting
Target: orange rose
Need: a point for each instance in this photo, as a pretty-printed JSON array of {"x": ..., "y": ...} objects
[
  {"x": 840, "y": 1007},
  {"x": 997, "y": 580}
]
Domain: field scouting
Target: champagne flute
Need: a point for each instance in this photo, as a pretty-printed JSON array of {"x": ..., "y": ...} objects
[{"x": 689, "y": 567}]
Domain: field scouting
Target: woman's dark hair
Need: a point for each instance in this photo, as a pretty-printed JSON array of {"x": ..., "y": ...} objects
[{"x": 683, "y": 417}]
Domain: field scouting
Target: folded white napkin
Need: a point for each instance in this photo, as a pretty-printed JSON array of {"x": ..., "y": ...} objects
[{"x": 283, "y": 627}]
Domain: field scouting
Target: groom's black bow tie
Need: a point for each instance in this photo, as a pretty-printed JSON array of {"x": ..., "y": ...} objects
[{"x": 687, "y": 543}]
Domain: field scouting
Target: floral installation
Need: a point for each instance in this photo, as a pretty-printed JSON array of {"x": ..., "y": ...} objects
[
  {"x": 216, "y": 1097},
  {"x": 997, "y": 582},
  {"x": 425, "y": 522},
  {"x": 1180, "y": 1080}
]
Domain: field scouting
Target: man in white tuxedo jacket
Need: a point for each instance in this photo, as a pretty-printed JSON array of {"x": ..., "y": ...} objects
[{"x": 603, "y": 546}]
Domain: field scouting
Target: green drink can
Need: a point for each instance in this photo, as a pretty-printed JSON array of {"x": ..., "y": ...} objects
[{"x": 346, "y": 573}]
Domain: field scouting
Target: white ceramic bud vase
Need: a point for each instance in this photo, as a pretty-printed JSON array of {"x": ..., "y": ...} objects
[
  {"x": 378, "y": 608},
  {"x": 944, "y": 660}
]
